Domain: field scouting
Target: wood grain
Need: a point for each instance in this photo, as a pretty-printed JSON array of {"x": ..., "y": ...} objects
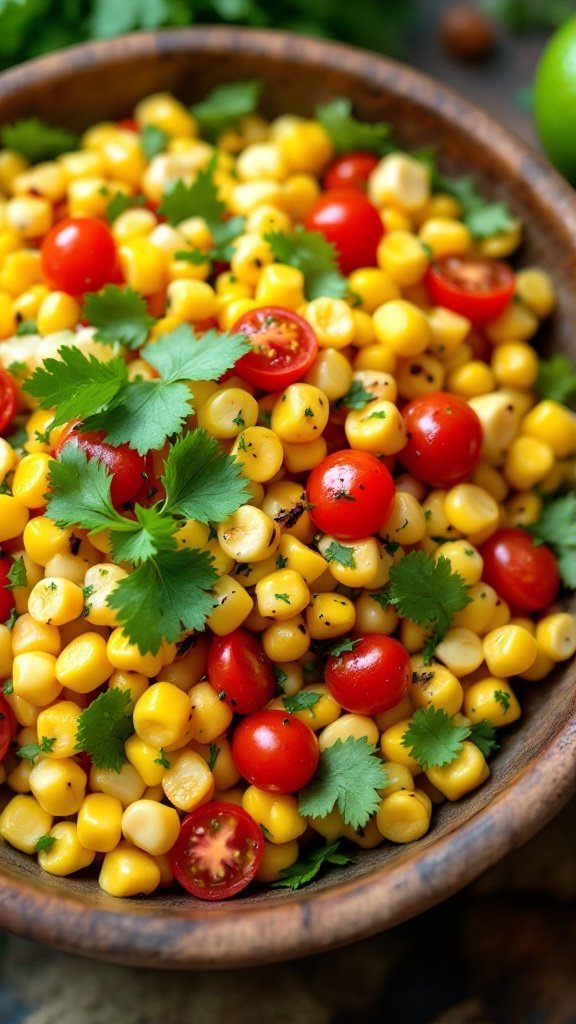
[{"x": 535, "y": 772}]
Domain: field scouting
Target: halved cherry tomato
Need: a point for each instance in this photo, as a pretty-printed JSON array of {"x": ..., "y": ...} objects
[
  {"x": 125, "y": 465},
  {"x": 351, "y": 494},
  {"x": 275, "y": 751},
  {"x": 351, "y": 170},
  {"x": 372, "y": 677},
  {"x": 474, "y": 286},
  {"x": 218, "y": 851},
  {"x": 283, "y": 347},
  {"x": 523, "y": 573},
  {"x": 8, "y": 727},
  {"x": 8, "y": 399},
  {"x": 348, "y": 220},
  {"x": 239, "y": 670},
  {"x": 444, "y": 439},
  {"x": 6, "y": 596},
  {"x": 79, "y": 255}
]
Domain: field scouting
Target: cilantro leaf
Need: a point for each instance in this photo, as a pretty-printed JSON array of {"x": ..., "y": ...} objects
[
  {"x": 342, "y": 646},
  {"x": 200, "y": 199},
  {"x": 304, "y": 870},
  {"x": 153, "y": 140},
  {"x": 201, "y": 481},
  {"x": 483, "y": 734},
  {"x": 357, "y": 397},
  {"x": 481, "y": 217},
  {"x": 36, "y": 140},
  {"x": 311, "y": 253},
  {"x": 17, "y": 574},
  {"x": 31, "y": 751},
  {"x": 502, "y": 697},
  {"x": 348, "y": 134},
  {"x": 214, "y": 751},
  {"x": 45, "y": 843},
  {"x": 26, "y": 327},
  {"x": 121, "y": 202},
  {"x": 103, "y": 728},
  {"x": 341, "y": 553},
  {"x": 225, "y": 105},
  {"x": 428, "y": 592},
  {"x": 556, "y": 378},
  {"x": 349, "y": 775},
  {"x": 75, "y": 385},
  {"x": 153, "y": 532},
  {"x": 433, "y": 739},
  {"x": 165, "y": 596},
  {"x": 305, "y": 699},
  {"x": 120, "y": 316},
  {"x": 79, "y": 493},
  {"x": 144, "y": 414},
  {"x": 8, "y": 687},
  {"x": 181, "y": 356},
  {"x": 556, "y": 527}
]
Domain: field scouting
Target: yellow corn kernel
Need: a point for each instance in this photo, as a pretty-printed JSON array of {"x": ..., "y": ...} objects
[
  {"x": 25, "y": 713},
  {"x": 232, "y": 604},
  {"x": 59, "y": 722},
  {"x": 554, "y": 425},
  {"x": 523, "y": 509},
  {"x": 34, "y": 678},
  {"x": 437, "y": 524},
  {"x": 536, "y": 290},
  {"x": 470, "y": 509},
  {"x": 100, "y": 581},
  {"x": 364, "y": 333},
  {"x": 375, "y": 357},
  {"x": 556, "y": 635},
  {"x": 143, "y": 265},
  {"x": 287, "y": 640},
  {"x": 83, "y": 665},
  {"x": 372, "y": 286},
  {"x": 276, "y": 859},
  {"x": 528, "y": 461},
  {"x": 164, "y": 111},
  {"x": 378, "y": 428},
  {"x": 403, "y": 258},
  {"x": 503, "y": 243},
  {"x": 219, "y": 754},
  {"x": 509, "y": 650},
  {"x": 58, "y": 312},
  {"x": 398, "y": 778},
  {"x": 419, "y": 375},
  {"x": 12, "y": 164},
  {"x": 323, "y": 713},
  {"x": 278, "y": 814},
  {"x": 302, "y": 559},
  {"x": 259, "y": 451},
  {"x": 282, "y": 594},
  {"x": 357, "y": 726},
  {"x": 301, "y": 458},
  {"x": 211, "y": 716},
  {"x": 400, "y": 181},
  {"x": 330, "y": 373},
  {"x": 67, "y": 854},
  {"x": 228, "y": 411},
  {"x": 30, "y": 216},
  {"x": 249, "y": 535},
  {"x": 300, "y": 414},
  {"x": 372, "y": 617},
  {"x": 516, "y": 323},
  {"x": 126, "y": 656},
  {"x": 360, "y": 568},
  {"x": 331, "y": 826},
  {"x": 329, "y": 615},
  {"x": 267, "y": 217},
  {"x": 27, "y": 304},
  {"x": 491, "y": 698},
  {"x": 162, "y": 716},
  {"x": 477, "y": 616},
  {"x": 8, "y": 457},
  {"x": 99, "y": 822},
  {"x": 6, "y": 654},
  {"x": 460, "y": 650},
  {"x": 378, "y": 384},
  {"x": 471, "y": 379},
  {"x": 464, "y": 558},
  {"x": 43, "y": 539},
  {"x": 58, "y": 785},
  {"x": 13, "y": 517},
  {"x": 126, "y": 785},
  {"x": 149, "y": 761},
  {"x": 280, "y": 285},
  {"x": 331, "y": 320},
  {"x": 468, "y": 771},
  {"x": 133, "y": 223},
  {"x": 298, "y": 194},
  {"x": 251, "y": 254},
  {"x": 305, "y": 146},
  {"x": 402, "y": 817},
  {"x": 55, "y": 600},
  {"x": 435, "y": 686},
  {"x": 500, "y": 420},
  {"x": 29, "y": 635},
  {"x": 151, "y": 826},
  {"x": 514, "y": 365},
  {"x": 285, "y": 502},
  {"x": 188, "y": 782},
  {"x": 402, "y": 327},
  {"x": 23, "y": 822},
  {"x": 127, "y": 871},
  {"x": 19, "y": 778},
  {"x": 491, "y": 480},
  {"x": 394, "y": 219},
  {"x": 392, "y": 748},
  {"x": 406, "y": 523},
  {"x": 403, "y": 709},
  {"x": 447, "y": 331},
  {"x": 191, "y": 300},
  {"x": 445, "y": 236}
]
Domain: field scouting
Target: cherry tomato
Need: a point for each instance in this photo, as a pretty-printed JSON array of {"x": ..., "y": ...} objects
[
  {"x": 372, "y": 677},
  {"x": 351, "y": 170},
  {"x": 79, "y": 255},
  {"x": 474, "y": 286},
  {"x": 8, "y": 727},
  {"x": 444, "y": 439},
  {"x": 8, "y": 399},
  {"x": 351, "y": 494},
  {"x": 523, "y": 573},
  {"x": 275, "y": 751},
  {"x": 218, "y": 851},
  {"x": 6, "y": 596},
  {"x": 283, "y": 347},
  {"x": 125, "y": 465},
  {"x": 239, "y": 669},
  {"x": 348, "y": 220}
]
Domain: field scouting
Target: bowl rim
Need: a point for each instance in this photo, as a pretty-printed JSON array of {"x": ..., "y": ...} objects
[{"x": 309, "y": 921}]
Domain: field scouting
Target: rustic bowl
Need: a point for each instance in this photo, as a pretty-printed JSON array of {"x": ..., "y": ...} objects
[{"x": 535, "y": 772}]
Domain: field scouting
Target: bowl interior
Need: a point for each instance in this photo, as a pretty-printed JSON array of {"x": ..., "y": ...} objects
[{"x": 534, "y": 772}]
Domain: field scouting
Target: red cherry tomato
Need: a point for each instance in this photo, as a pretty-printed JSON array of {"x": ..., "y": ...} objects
[
  {"x": 8, "y": 399},
  {"x": 6, "y": 596},
  {"x": 8, "y": 727},
  {"x": 372, "y": 677},
  {"x": 351, "y": 494},
  {"x": 239, "y": 669},
  {"x": 128, "y": 124},
  {"x": 79, "y": 255},
  {"x": 348, "y": 220},
  {"x": 474, "y": 286},
  {"x": 218, "y": 851},
  {"x": 444, "y": 439},
  {"x": 275, "y": 751},
  {"x": 125, "y": 465},
  {"x": 351, "y": 170},
  {"x": 523, "y": 573},
  {"x": 283, "y": 347}
]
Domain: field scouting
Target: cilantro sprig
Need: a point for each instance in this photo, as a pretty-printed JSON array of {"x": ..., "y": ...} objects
[
  {"x": 556, "y": 527},
  {"x": 224, "y": 106},
  {"x": 435, "y": 740},
  {"x": 305, "y": 700},
  {"x": 310, "y": 252},
  {"x": 428, "y": 592},
  {"x": 103, "y": 728},
  {"x": 349, "y": 776},
  {"x": 348, "y": 134},
  {"x": 201, "y": 199},
  {"x": 120, "y": 316},
  {"x": 482, "y": 217},
  {"x": 556, "y": 379},
  {"x": 36, "y": 140},
  {"x": 308, "y": 867}
]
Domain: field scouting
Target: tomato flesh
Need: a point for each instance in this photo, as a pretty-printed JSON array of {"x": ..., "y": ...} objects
[
  {"x": 239, "y": 670},
  {"x": 79, "y": 255},
  {"x": 351, "y": 223},
  {"x": 351, "y": 170},
  {"x": 351, "y": 494},
  {"x": 283, "y": 347},
  {"x": 373, "y": 677},
  {"x": 444, "y": 439},
  {"x": 474, "y": 286},
  {"x": 523, "y": 573},
  {"x": 124, "y": 464},
  {"x": 8, "y": 727},
  {"x": 218, "y": 851},
  {"x": 6, "y": 595},
  {"x": 8, "y": 399},
  {"x": 275, "y": 751}
]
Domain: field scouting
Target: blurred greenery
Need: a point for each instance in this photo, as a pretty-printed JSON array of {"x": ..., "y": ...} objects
[{"x": 530, "y": 15}]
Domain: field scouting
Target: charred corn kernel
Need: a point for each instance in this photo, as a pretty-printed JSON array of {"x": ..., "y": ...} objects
[
  {"x": 500, "y": 421},
  {"x": 302, "y": 559},
  {"x": 13, "y": 517},
  {"x": 392, "y": 748},
  {"x": 477, "y": 616},
  {"x": 556, "y": 635},
  {"x": 435, "y": 686},
  {"x": 372, "y": 286},
  {"x": 358, "y": 567},
  {"x": 127, "y": 871},
  {"x": 151, "y": 826},
  {"x": 162, "y": 715},
  {"x": 285, "y": 502},
  {"x": 23, "y": 822},
  {"x": 461, "y": 651},
  {"x": 83, "y": 665},
  {"x": 331, "y": 320},
  {"x": 491, "y": 699},
  {"x": 278, "y": 814},
  {"x": 164, "y": 111},
  {"x": 407, "y": 522},
  {"x": 143, "y": 265},
  {"x": 554, "y": 424},
  {"x": 330, "y": 373},
  {"x": 30, "y": 482},
  {"x": 516, "y": 323},
  {"x": 378, "y": 427},
  {"x": 260, "y": 452},
  {"x": 211, "y": 716},
  {"x": 232, "y": 604},
  {"x": 188, "y": 782},
  {"x": 286, "y": 640},
  {"x": 277, "y": 858},
  {"x": 402, "y": 817},
  {"x": 402, "y": 327},
  {"x": 375, "y": 357},
  {"x": 464, "y": 559},
  {"x": 58, "y": 785},
  {"x": 126, "y": 656},
  {"x": 468, "y": 771},
  {"x": 536, "y": 290},
  {"x": 30, "y": 216},
  {"x": 282, "y": 594},
  {"x": 357, "y": 726},
  {"x": 99, "y": 822},
  {"x": 60, "y": 722},
  {"x": 191, "y": 300},
  {"x": 372, "y": 617},
  {"x": 67, "y": 854},
  {"x": 300, "y": 414},
  {"x": 528, "y": 461},
  {"x": 471, "y": 509},
  {"x": 126, "y": 785},
  {"x": 514, "y": 365},
  {"x": 329, "y": 615},
  {"x": 249, "y": 535},
  {"x": 29, "y": 635},
  {"x": 400, "y": 181},
  {"x": 419, "y": 375},
  {"x": 445, "y": 236},
  {"x": 34, "y": 678},
  {"x": 398, "y": 778},
  {"x": 509, "y": 650},
  {"x": 471, "y": 379}
]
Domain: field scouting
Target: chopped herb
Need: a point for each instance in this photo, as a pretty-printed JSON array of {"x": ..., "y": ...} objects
[
  {"x": 162, "y": 760},
  {"x": 103, "y": 728},
  {"x": 556, "y": 379},
  {"x": 433, "y": 739},
  {"x": 281, "y": 561},
  {"x": 349, "y": 776},
  {"x": 341, "y": 553},
  {"x": 26, "y": 327},
  {"x": 225, "y": 106},
  {"x": 214, "y": 752},
  {"x": 302, "y": 701},
  {"x": 120, "y": 316},
  {"x": 557, "y": 528},
  {"x": 280, "y": 676},
  {"x": 45, "y": 843},
  {"x": 17, "y": 574},
  {"x": 283, "y": 597},
  {"x": 31, "y": 751},
  {"x": 311, "y": 253},
  {"x": 153, "y": 140},
  {"x": 503, "y": 698},
  {"x": 357, "y": 397},
  {"x": 342, "y": 646},
  {"x": 426, "y": 591},
  {"x": 304, "y": 870},
  {"x": 348, "y": 134},
  {"x": 8, "y": 687},
  {"x": 36, "y": 140}
]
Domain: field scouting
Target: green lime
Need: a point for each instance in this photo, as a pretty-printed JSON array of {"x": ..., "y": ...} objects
[{"x": 555, "y": 99}]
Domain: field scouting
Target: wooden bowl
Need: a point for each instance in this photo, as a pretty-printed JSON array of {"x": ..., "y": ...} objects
[{"x": 535, "y": 772}]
